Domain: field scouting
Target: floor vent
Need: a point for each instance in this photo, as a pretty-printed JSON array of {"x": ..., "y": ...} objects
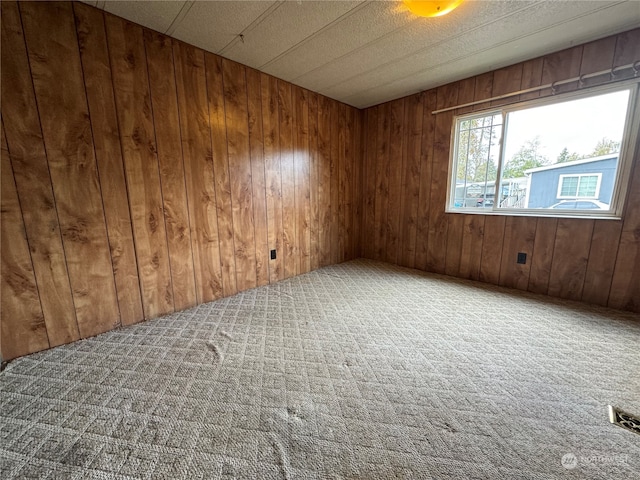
[{"x": 624, "y": 419}]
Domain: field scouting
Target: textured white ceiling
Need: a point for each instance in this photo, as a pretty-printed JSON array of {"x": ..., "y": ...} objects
[{"x": 368, "y": 52}]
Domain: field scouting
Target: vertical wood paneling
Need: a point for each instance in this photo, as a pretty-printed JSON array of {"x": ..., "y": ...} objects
[
  {"x": 271, "y": 129},
  {"x": 211, "y": 155},
  {"x": 396, "y": 167},
  {"x": 625, "y": 285},
  {"x": 559, "y": 66},
  {"x": 603, "y": 253},
  {"x": 135, "y": 119},
  {"x": 302, "y": 189},
  {"x": 164, "y": 102},
  {"x": 235, "y": 100},
  {"x": 287, "y": 167},
  {"x": 382, "y": 180},
  {"x": 438, "y": 223},
  {"x": 426, "y": 168},
  {"x": 570, "y": 257},
  {"x": 33, "y": 183},
  {"x": 54, "y": 58},
  {"x": 334, "y": 182},
  {"x": 531, "y": 77},
  {"x": 519, "y": 236},
  {"x": 410, "y": 188},
  {"x": 237, "y": 163},
  {"x": 349, "y": 183},
  {"x": 602, "y": 260},
  {"x": 258, "y": 183},
  {"x": 627, "y": 48},
  {"x": 96, "y": 66},
  {"x": 324, "y": 180},
  {"x": 314, "y": 206},
  {"x": 473, "y": 226},
  {"x": 181, "y": 171},
  {"x": 342, "y": 182},
  {"x": 195, "y": 135},
  {"x": 542, "y": 255},
  {"x": 597, "y": 56},
  {"x": 456, "y": 223},
  {"x": 23, "y": 328},
  {"x": 370, "y": 194},
  {"x": 357, "y": 198}
]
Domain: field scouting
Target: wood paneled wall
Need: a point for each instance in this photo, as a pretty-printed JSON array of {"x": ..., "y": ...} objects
[
  {"x": 405, "y": 179},
  {"x": 141, "y": 176}
]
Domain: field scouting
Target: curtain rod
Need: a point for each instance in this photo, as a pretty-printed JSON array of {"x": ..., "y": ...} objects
[{"x": 613, "y": 72}]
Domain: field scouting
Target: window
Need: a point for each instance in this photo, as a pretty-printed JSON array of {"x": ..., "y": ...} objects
[
  {"x": 579, "y": 186},
  {"x": 541, "y": 157}
]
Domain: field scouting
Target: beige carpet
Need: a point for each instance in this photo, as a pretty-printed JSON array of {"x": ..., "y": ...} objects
[{"x": 356, "y": 371}]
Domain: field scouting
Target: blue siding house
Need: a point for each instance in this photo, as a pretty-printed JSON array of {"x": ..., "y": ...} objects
[{"x": 586, "y": 179}]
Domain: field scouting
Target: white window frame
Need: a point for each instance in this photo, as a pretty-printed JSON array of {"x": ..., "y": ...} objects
[
  {"x": 580, "y": 176},
  {"x": 623, "y": 172}
]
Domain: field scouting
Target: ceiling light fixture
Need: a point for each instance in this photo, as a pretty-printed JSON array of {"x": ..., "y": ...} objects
[{"x": 431, "y": 9}]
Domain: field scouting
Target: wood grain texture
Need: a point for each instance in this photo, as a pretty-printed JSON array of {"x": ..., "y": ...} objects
[
  {"x": 519, "y": 237},
  {"x": 627, "y": 48},
  {"x": 473, "y": 225},
  {"x": 54, "y": 58},
  {"x": 166, "y": 120},
  {"x": 33, "y": 182},
  {"x": 542, "y": 255},
  {"x": 314, "y": 200},
  {"x": 471, "y": 249},
  {"x": 211, "y": 158},
  {"x": 341, "y": 183},
  {"x": 271, "y": 133},
  {"x": 236, "y": 118},
  {"x": 426, "y": 177},
  {"x": 94, "y": 53},
  {"x": 334, "y": 182},
  {"x": 625, "y": 285},
  {"x": 350, "y": 176},
  {"x": 289, "y": 214},
  {"x": 382, "y": 181},
  {"x": 438, "y": 222},
  {"x": 359, "y": 190},
  {"x": 359, "y": 172},
  {"x": 258, "y": 183},
  {"x": 301, "y": 155},
  {"x": 456, "y": 222},
  {"x": 396, "y": 167},
  {"x": 570, "y": 257},
  {"x": 602, "y": 260},
  {"x": 600, "y": 268},
  {"x": 369, "y": 190},
  {"x": 198, "y": 161},
  {"x": 23, "y": 327},
  {"x": 201, "y": 167},
  {"x": 135, "y": 119},
  {"x": 559, "y": 66}
]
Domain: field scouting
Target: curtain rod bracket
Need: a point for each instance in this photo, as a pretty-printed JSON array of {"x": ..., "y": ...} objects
[{"x": 581, "y": 81}]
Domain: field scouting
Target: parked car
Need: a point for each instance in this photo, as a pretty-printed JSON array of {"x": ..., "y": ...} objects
[{"x": 581, "y": 205}]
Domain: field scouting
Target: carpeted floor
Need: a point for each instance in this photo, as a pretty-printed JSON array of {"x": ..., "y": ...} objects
[{"x": 357, "y": 371}]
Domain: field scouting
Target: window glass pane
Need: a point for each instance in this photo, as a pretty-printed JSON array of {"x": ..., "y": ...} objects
[
  {"x": 476, "y": 161},
  {"x": 553, "y": 154},
  {"x": 562, "y": 144},
  {"x": 569, "y": 186},
  {"x": 587, "y": 186}
]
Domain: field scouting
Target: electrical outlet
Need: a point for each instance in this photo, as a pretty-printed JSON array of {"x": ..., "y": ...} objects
[
  {"x": 522, "y": 258},
  {"x": 273, "y": 254}
]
